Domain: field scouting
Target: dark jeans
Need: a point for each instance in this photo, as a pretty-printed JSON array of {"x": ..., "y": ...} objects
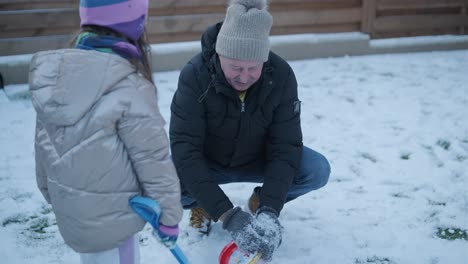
[{"x": 312, "y": 175}]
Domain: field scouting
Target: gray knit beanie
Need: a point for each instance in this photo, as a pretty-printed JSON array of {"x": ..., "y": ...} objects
[{"x": 245, "y": 30}]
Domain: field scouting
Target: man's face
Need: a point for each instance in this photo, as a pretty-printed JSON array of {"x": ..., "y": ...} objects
[{"x": 241, "y": 74}]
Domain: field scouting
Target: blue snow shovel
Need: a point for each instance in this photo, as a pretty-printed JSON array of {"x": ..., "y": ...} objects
[{"x": 150, "y": 211}]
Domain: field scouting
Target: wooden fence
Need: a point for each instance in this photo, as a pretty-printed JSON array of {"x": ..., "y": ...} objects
[
  {"x": 24, "y": 23},
  {"x": 398, "y": 18}
]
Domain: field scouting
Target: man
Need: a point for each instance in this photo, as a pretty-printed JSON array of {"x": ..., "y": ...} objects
[{"x": 236, "y": 118}]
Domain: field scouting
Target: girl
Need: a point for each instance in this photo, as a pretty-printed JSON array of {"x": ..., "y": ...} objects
[{"x": 100, "y": 137}]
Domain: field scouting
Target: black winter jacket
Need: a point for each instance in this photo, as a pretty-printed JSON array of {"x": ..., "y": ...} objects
[{"x": 209, "y": 122}]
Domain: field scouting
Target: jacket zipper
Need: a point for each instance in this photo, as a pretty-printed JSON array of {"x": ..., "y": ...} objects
[{"x": 238, "y": 131}]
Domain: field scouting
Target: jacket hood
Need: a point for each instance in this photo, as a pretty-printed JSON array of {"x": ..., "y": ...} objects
[
  {"x": 65, "y": 84},
  {"x": 208, "y": 41}
]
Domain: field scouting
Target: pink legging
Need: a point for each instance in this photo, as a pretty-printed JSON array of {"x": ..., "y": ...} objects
[{"x": 127, "y": 253}]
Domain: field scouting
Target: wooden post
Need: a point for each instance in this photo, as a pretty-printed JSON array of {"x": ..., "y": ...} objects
[
  {"x": 369, "y": 8},
  {"x": 464, "y": 12}
]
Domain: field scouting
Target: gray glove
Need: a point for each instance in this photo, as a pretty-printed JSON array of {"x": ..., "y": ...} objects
[
  {"x": 240, "y": 225},
  {"x": 270, "y": 229}
]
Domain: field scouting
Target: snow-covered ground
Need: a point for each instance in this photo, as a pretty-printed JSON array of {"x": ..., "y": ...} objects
[{"x": 394, "y": 128}]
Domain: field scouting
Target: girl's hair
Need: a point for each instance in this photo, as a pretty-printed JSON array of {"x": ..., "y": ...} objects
[{"x": 143, "y": 65}]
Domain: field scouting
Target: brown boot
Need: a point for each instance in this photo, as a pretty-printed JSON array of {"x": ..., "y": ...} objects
[
  {"x": 254, "y": 200},
  {"x": 201, "y": 220}
]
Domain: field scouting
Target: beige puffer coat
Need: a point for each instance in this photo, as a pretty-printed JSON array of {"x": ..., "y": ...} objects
[{"x": 100, "y": 140}]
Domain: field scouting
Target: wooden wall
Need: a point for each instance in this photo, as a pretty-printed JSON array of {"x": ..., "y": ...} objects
[
  {"x": 399, "y": 18},
  {"x": 172, "y": 20},
  {"x": 181, "y": 20},
  {"x": 178, "y": 20}
]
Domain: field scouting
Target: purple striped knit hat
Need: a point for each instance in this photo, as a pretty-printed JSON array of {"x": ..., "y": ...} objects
[{"x": 124, "y": 16}]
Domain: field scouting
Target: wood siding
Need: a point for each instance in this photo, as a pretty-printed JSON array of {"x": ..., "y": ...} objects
[{"x": 182, "y": 20}]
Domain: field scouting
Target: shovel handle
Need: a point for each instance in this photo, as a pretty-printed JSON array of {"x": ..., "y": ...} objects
[{"x": 150, "y": 211}]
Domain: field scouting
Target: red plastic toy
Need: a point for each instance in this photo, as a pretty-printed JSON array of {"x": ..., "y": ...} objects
[{"x": 232, "y": 255}]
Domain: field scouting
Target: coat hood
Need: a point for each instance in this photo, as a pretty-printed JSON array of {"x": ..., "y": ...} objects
[
  {"x": 65, "y": 84},
  {"x": 208, "y": 41}
]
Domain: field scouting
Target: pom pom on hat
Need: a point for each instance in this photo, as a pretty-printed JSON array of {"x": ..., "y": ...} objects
[{"x": 258, "y": 4}]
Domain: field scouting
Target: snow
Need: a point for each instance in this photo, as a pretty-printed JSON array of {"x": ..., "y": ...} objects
[
  {"x": 177, "y": 47},
  {"x": 318, "y": 37},
  {"x": 418, "y": 41},
  {"x": 394, "y": 128},
  {"x": 15, "y": 59}
]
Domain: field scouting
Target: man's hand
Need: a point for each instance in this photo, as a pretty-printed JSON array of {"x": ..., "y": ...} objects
[
  {"x": 240, "y": 225},
  {"x": 269, "y": 228}
]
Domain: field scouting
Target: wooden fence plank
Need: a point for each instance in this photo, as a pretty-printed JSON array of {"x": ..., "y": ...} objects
[
  {"x": 34, "y": 1},
  {"x": 418, "y": 4},
  {"x": 282, "y": 5},
  {"x": 184, "y": 7},
  {"x": 317, "y": 17},
  {"x": 419, "y": 11},
  {"x": 37, "y": 32},
  {"x": 174, "y": 4},
  {"x": 36, "y": 4},
  {"x": 368, "y": 16},
  {"x": 318, "y": 3},
  {"x": 203, "y": 10},
  {"x": 414, "y": 22},
  {"x": 464, "y": 11},
  {"x": 184, "y": 23},
  {"x": 30, "y": 45},
  {"x": 316, "y": 29},
  {"x": 42, "y": 18}
]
